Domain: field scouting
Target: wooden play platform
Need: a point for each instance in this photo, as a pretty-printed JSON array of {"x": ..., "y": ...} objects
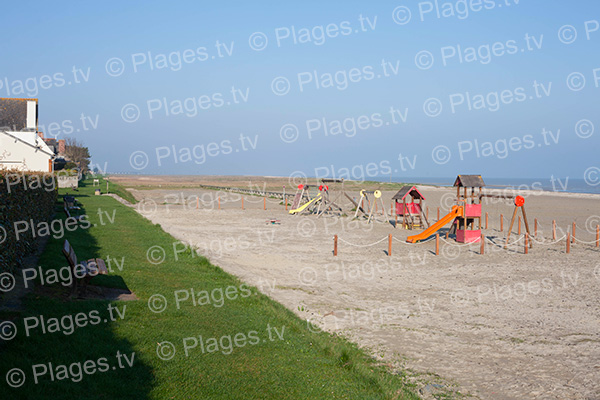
[{"x": 410, "y": 211}]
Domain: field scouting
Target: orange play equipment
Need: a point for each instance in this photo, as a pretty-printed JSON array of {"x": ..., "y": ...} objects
[
  {"x": 465, "y": 216},
  {"x": 456, "y": 212}
]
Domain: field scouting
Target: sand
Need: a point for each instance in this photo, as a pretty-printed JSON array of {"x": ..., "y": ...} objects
[{"x": 504, "y": 325}]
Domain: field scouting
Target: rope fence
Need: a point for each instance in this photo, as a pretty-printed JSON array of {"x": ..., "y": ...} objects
[
  {"x": 524, "y": 239},
  {"x": 253, "y": 197},
  {"x": 362, "y": 245}
]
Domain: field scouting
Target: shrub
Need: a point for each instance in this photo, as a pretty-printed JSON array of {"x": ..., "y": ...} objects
[{"x": 24, "y": 196}]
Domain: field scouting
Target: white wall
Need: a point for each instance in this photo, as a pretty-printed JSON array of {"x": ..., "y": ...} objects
[
  {"x": 67, "y": 181},
  {"x": 14, "y": 154}
]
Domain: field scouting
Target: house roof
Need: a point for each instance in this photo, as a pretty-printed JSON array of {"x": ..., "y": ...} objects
[
  {"x": 13, "y": 114},
  {"x": 52, "y": 144},
  {"x": 408, "y": 190},
  {"x": 469, "y": 181},
  {"x": 30, "y": 139}
]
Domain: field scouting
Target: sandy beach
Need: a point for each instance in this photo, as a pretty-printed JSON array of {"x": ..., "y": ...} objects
[{"x": 503, "y": 325}]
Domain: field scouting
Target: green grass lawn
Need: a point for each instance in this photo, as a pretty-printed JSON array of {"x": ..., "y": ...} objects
[{"x": 294, "y": 362}]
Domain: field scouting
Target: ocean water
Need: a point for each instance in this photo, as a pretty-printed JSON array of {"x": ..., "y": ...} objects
[{"x": 550, "y": 185}]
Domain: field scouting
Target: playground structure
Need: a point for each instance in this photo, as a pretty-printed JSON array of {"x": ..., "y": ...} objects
[
  {"x": 465, "y": 215},
  {"x": 411, "y": 212},
  {"x": 328, "y": 206},
  {"x": 372, "y": 204},
  {"x": 467, "y": 225},
  {"x": 303, "y": 201},
  {"x": 519, "y": 204},
  {"x": 323, "y": 203}
]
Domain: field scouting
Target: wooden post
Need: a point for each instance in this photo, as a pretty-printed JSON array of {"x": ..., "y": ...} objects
[
  {"x": 197, "y": 202},
  {"x": 390, "y": 245},
  {"x": 427, "y": 213},
  {"x": 392, "y": 210},
  {"x": 335, "y": 239},
  {"x": 535, "y": 228},
  {"x": 286, "y": 204},
  {"x": 597, "y": 235},
  {"x": 482, "y": 246},
  {"x": 526, "y": 243},
  {"x": 553, "y": 229},
  {"x": 512, "y": 222},
  {"x": 519, "y": 226},
  {"x": 404, "y": 218},
  {"x": 573, "y": 236},
  {"x": 501, "y": 223},
  {"x": 568, "y": 242},
  {"x": 438, "y": 218},
  {"x": 264, "y": 203},
  {"x": 219, "y": 202},
  {"x": 437, "y": 244},
  {"x": 486, "y": 220}
]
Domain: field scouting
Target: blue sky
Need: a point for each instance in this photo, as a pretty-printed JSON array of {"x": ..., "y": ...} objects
[{"x": 109, "y": 46}]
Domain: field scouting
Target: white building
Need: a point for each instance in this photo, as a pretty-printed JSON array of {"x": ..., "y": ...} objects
[
  {"x": 25, "y": 151},
  {"x": 21, "y": 147}
]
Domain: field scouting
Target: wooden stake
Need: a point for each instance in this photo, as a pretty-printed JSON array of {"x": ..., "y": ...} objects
[
  {"x": 568, "y": 242},
  {"x": 438, "y": 218},
  {"x": 535, "y": 228},
  {"x": 486, "y": 220},
  {"x": 482, "y": 246},
  {"x": 390, "y": 245},
  {"x": 512, "y": 221},
  {"x": 526, "y": 243},
  {"x": 197, "y": 202},
  {"x": 219, "y": 202},
  {"x": 597, "y": 235},
  {"x": 501, "y": 223},
  {"x": 437, "y": 244},
  {"x": 553, "y": 229},
  {"x": 519, "y": 226},
  {"x": 286, "y": 204},
  {"x": 335, "y": 239},
  {"x": 526, "y": 224},
  {"x": 573, "y": 236},
  {"x": 264, "y": 203},
  {"x": 427, "y": 213}
]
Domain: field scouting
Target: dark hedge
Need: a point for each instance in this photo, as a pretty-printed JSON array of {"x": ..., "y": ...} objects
[{"x": 24, "y": 196}]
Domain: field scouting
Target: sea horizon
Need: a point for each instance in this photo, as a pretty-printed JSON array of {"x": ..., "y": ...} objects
[
  {"x": 558, "y": 185},
  {"x": 552, "y": 184}
]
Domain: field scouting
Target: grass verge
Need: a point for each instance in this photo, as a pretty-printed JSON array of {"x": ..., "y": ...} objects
[{"x": 117, "y": 189}]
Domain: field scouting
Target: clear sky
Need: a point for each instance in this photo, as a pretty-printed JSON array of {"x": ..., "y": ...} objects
[{"x": 502, "y": 88}]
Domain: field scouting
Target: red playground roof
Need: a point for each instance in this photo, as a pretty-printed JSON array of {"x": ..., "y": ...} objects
[{"x": 408, "y": 190}]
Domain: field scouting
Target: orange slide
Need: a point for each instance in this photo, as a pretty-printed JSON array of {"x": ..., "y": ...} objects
[{"x": 457, "y": 211}]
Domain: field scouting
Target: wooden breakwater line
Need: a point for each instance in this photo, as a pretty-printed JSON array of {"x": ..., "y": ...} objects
[{"x": 253, "y": 192}]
